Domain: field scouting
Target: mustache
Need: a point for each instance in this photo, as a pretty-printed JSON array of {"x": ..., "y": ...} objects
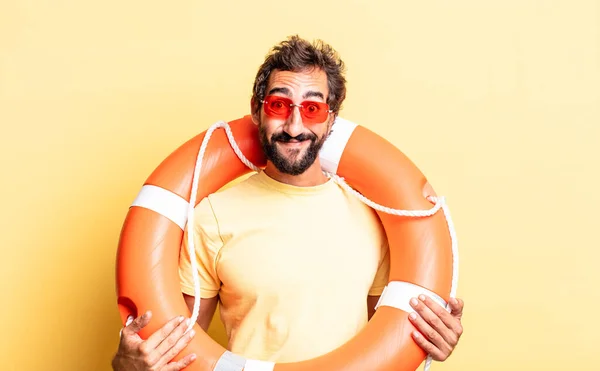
[{"x": 285, "y": 137}]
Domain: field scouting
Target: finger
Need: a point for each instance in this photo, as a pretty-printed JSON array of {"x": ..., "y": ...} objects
[
  {"x": 157, "y": 337},
  {"x": 456, "y": 307},
  {"x": 181, "y": 364},
  {"x": 137, "y": 324},
  {"x": 127, "y": 323},
  {"x": 428, "y": 347},
  {"x": 450, "y": 320},
  {"x": 182, "y": 341},
  {"x": 430, "y": 334},
  {"x": 433, "y": 319},
  {"x": 172, "y": 340}
]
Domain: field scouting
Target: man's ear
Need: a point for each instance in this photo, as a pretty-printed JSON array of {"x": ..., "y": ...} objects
[{"x": 254, "y": 112}]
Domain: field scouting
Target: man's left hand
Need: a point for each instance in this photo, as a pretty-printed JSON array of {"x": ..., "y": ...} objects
[{"x": 438, "y": 330}]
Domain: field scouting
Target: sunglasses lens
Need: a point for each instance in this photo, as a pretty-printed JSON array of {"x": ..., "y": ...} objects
[
  {"x": 277, "y": 106},
  {"x": 281, "y": 108},
  {"x": 314, "y": 112}
]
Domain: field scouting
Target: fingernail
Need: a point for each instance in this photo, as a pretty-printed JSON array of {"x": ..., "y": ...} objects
[
  {"x": 413, "y": 316},
  {"x": 414, "y": 302},
  {"x": 179, "y": 319},
  {"x": 422, "y": 297},
  {"x": 416, "y": 334},
  {"x": 193, "y": 357},
  {"x": 453, "y": 301}
]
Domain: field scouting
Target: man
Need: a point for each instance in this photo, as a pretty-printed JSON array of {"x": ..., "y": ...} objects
[{"x": 296, "y": 263}]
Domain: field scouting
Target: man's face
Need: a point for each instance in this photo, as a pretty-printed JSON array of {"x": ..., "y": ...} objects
[{"x": 293, "y": 143}]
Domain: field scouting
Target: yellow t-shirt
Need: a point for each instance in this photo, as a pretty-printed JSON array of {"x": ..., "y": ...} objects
[{"x": 292, "y": 265}]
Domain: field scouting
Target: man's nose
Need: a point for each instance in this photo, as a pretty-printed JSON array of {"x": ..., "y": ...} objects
[{"x": 294, "y": 125}]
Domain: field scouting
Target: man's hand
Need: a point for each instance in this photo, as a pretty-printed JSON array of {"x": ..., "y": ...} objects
[
  {"x": 439, "y": 331},
  {"x": 155, "y": 353}
]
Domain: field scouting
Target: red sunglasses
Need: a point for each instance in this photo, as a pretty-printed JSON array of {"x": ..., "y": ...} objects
[{"x": 281, "y": 108}]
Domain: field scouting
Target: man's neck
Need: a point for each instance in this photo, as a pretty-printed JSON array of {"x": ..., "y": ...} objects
[{"x": 313, "y": 176}]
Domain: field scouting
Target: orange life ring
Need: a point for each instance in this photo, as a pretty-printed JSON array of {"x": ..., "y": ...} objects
[{"x": 421, "y": 250}]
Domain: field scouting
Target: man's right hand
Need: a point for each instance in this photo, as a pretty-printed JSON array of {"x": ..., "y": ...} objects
[{"x": 155, "y": 353}]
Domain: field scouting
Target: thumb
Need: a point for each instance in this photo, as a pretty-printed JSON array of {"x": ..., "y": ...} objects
[
  {"x": 456, "y": 306},
  {"x": 137, "y": 324}
]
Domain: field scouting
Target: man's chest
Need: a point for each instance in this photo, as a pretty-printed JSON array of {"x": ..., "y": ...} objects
[{"x": 289, "y": 253}]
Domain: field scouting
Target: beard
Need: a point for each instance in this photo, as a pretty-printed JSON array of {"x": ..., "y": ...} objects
[{"x": 295, "y": 163}]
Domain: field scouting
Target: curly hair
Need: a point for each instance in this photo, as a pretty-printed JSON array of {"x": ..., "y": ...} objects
[{"x": 296, "y": 54}]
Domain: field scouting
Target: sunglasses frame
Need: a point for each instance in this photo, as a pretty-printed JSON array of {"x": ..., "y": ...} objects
[{"x": 290, "y": 106}]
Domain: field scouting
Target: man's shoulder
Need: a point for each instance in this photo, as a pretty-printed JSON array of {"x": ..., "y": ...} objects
[
  {"x": 210, "y": 209},
  {"x": 236, "y": 195},
  {"x": 362, "y": 214},
  {"x": 236, "y": 190}
]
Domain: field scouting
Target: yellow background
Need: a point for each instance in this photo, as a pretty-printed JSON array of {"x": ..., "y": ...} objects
[{"x": 498, "y": 102}]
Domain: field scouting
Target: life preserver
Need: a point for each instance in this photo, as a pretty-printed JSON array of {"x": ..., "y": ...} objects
[{"x": 421, "y": 248}]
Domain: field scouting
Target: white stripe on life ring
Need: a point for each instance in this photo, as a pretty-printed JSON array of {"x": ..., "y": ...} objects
[
  {"x": 230, "y": 362},
  {"x": 397, "y": 294},
  {"x": 255, "y": 365},
  {"x": 334, "y": 146},
  {"x": 164, "y": 202}
]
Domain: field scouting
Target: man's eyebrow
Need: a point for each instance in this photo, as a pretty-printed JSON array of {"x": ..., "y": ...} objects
[
  {"x": 313, "y": 93},
  {"x": 286, "y": 91},
  {"x": 281, "y": 90}
]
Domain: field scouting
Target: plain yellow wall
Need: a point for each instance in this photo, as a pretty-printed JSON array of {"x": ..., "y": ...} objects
[{"x": 498, "y": 102}]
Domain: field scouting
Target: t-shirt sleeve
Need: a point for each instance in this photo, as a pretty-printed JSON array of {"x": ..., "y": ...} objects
[
  {"x": 207, "y": 244},
  {"x": 383, "y": 272}
]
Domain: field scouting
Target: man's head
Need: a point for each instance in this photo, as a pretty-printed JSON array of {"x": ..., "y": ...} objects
[{"x": 297, "y": 72}]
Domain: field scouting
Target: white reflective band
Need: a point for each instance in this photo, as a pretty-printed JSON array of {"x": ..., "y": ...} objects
[
  {"x": 334, "y": 146},
  {"x": 397, "y": 294},
  {"x": 255, "y": 365},
  {"x": 164, "y": 202},
  {"x": 230, "y": 362}
]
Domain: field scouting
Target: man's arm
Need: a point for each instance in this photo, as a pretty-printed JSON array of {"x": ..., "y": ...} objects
[{"x": 207, "y": 309}]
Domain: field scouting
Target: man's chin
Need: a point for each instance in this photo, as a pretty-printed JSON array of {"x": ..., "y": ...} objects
[
  {"x": 288, "y": 165},
  {"x": 294, "y": 171}
]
